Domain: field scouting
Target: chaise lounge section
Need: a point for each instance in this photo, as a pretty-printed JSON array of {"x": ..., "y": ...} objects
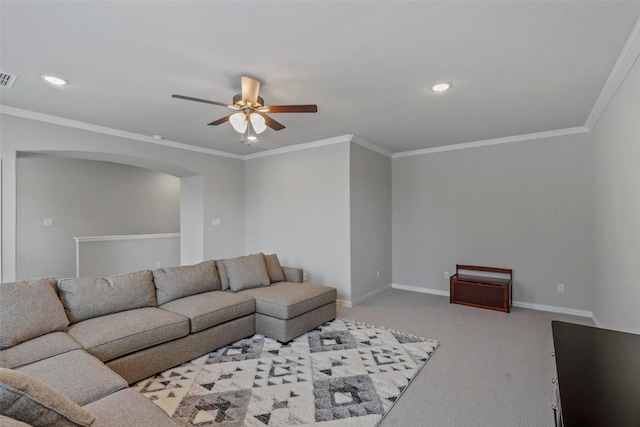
[{"x": 88, "y": 338}]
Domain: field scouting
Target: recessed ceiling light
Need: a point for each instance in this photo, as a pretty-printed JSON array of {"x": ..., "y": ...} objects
[
  {"x": 54, "y": 80},
  {"x": 441, "y": 87}
]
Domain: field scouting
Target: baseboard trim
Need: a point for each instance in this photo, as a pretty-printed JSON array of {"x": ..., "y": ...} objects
[
  {"x": 553, "y": 309},
  {"x": 596, "y": 321},
  {"x": 351, "y": 303},
  {"x": 520, "y": 304},
  {"x": 421, "y": 290}
]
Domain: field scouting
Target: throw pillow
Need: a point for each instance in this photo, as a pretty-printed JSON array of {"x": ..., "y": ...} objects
[
  {"x": 247, "y": 272},
  {"x": 276, "y": 274},
  {"x": 26, "y": 399},
  {"x": 29, "y": 309},
  {"x": 178, "y": 282}
]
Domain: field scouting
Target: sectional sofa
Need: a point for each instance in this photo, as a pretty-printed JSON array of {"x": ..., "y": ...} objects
[{"x": 69, "y": 348}]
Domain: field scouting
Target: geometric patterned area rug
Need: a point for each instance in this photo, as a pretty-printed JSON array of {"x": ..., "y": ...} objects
[{"x": 342, "y": 373}]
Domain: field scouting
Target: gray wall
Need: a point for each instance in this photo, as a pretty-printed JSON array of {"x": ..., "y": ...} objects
[
  {"x": 297, "y": 205},
  {"x": 617, "y": 207},
  {"x": 563, "y": 209},
  {"x": 221, "y": 193},
  {"x": 115, "y": 255},
  {"x": 525, "y": 206},
  {"x": 86, "y": 198},
  {"x": 370, "y": 182}
]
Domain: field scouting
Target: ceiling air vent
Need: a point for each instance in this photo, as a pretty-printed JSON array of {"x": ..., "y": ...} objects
[{"x": 7, "y": 80}]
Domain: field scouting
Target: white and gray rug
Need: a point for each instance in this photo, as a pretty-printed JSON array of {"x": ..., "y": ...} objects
[{"x": 343, "y": 373}]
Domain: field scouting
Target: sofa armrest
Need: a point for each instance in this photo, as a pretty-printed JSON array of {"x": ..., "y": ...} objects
[{"x": 292, "y": 274}]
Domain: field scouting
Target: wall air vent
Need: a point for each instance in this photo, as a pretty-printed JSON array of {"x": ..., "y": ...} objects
[{"x": 7, "y": 80}]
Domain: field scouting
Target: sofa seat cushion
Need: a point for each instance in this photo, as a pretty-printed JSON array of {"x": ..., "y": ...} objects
[
  {"x": 36, "y": 349},
  {"x": 26, "y": 399},
  {"x": 29, "y": 309},
  {"x": 211, "y": 308},
  {"x": 77, "y": 375},
  {"x": 285, "y": 300},
  {"x": 128, "y": 408},
  {"x": 114, "y": 335}
]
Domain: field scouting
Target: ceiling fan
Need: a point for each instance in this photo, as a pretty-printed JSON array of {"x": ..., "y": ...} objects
[{"x": 251, "y": 118}]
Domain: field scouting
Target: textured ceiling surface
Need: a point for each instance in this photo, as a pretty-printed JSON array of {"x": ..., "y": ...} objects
[{"x": 517, "y": 67}]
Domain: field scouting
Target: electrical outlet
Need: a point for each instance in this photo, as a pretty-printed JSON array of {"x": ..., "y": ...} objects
[
  {"x": 446, "y": 275},
  {"x": 560, "y": 287},
  {"x": 48, "y": 222}
]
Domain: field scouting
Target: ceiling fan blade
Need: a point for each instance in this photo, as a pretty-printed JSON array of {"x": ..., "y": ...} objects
[
  {"x": 250, "y": 88},
  {"x": 272, "y": 123},
  {"x": 312, "y": 108},
  {"x": 189, "y": 98},
  {"x": 219, "y": 121}
]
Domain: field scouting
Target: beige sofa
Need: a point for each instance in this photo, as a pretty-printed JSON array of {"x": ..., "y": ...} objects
[{"x": 86, "y": 339}]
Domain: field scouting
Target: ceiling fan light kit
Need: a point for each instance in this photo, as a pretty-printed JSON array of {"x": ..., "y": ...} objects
[
  {"x": 257, "y": 122},
  {"x": 251, "y": 118},
  {"x": 239, "y": 122},
  {"x": 249, "y": 135}
]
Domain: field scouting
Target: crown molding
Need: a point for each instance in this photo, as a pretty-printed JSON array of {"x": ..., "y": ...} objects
[
  {"x": 46, "y": 118},
  {"x": 32, "y": 115},
  {"x": 630, "y": 53},
  {"x": 299, "y": 147},
  {"x": 373, "y": 147},
  {"x": 321, "y": 143},
  {"x": 495, "y": 141}
]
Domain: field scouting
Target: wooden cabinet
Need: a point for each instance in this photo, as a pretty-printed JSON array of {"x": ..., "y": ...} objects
[{"x": 478, "y": 290}]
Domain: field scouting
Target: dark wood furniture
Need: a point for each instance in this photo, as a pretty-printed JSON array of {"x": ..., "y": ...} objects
[
  {"x": 598, "y": 376},
  {"x": 481, "y": 291}
]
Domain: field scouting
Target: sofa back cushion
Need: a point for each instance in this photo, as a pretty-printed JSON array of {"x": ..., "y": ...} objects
[
  {"x": 276, "y": 274},
  {"x": 29, "y": 309},
  {"x": 222, "y": 273},
  {"x": 87, "y": 297},
  {"x": 178, "y": 282},
  {"x": 247, "y": 272}
]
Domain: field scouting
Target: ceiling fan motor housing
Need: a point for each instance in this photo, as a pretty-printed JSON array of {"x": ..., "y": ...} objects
[{"x": 237, "y": 100}]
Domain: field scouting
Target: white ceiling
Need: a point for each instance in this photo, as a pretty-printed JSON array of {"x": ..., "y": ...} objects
[{"x": 517, "y": 67}]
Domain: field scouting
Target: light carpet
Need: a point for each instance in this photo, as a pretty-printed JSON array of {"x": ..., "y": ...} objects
[{"x": 343, "y": 373}]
